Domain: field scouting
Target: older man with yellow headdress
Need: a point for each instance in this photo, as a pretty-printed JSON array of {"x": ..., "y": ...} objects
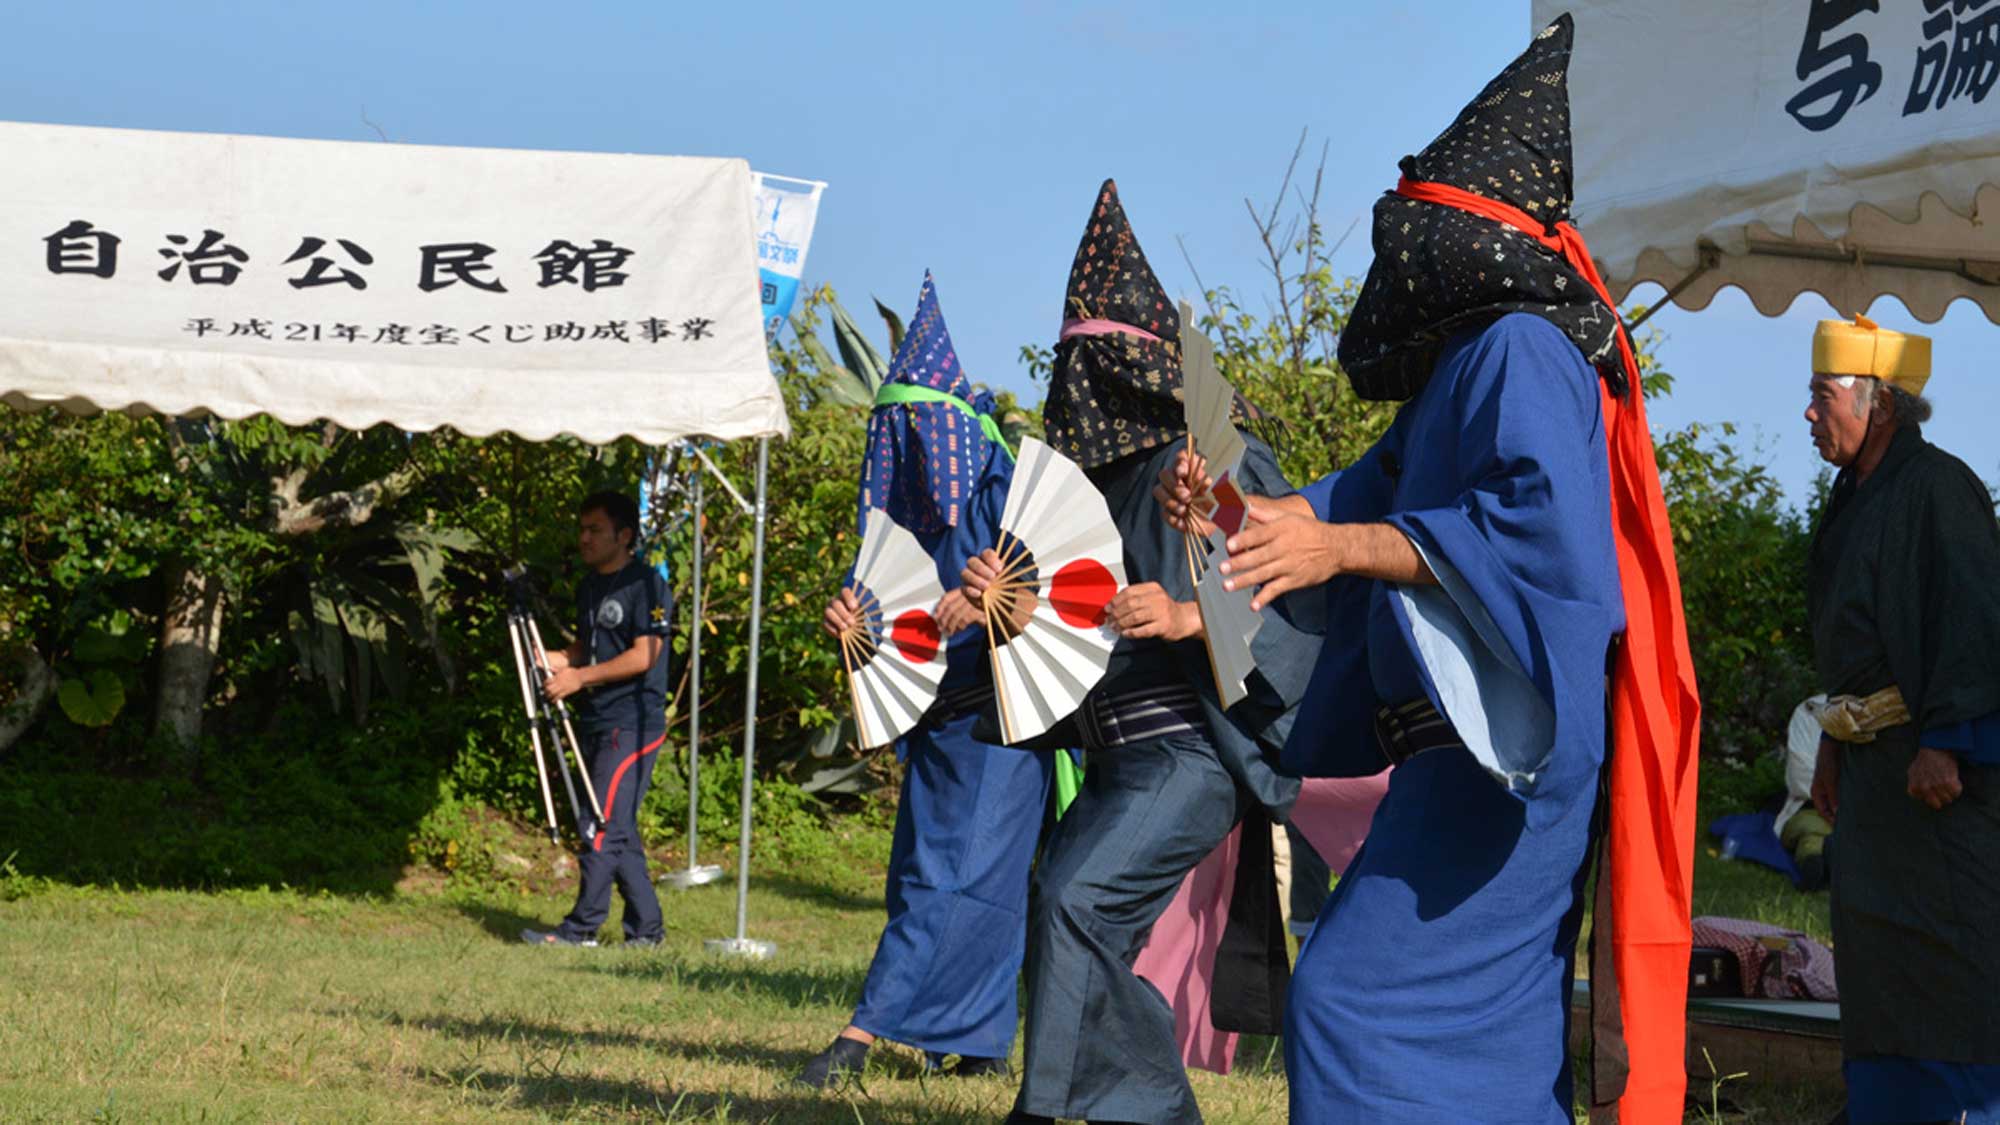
[{"x": 1904, "y": 603}]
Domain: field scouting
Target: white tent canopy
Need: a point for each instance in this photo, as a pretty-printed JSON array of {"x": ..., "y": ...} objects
[
  {"x": 487, "y": 290},
  {"x": 1788, "y": 146}
]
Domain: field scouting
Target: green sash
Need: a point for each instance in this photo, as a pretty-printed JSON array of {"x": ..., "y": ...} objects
[
  {"x": 899, "y": 394},
  {"x": 1069, "y": 781}
]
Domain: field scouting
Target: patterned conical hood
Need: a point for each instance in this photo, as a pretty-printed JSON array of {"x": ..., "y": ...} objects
[
  {"x": 926, "y": 358},
  {"x": 924, "y": 458},
  {"x": 1110, "y": 279},
  {"x": 1440, "y": 270},
  {"x": 1115, "y": 386},
  {"x": 1512, "y": 143}
]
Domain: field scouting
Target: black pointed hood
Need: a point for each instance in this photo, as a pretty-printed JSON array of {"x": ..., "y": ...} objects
[
  {"x": 1114, "y": 388},
  {"x": 1512, "y": 142},
  {"x": 1440, "y": 270}
]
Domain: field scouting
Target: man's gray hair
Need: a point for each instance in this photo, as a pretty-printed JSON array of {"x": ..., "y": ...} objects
[{"x": 1911, "y": 410}]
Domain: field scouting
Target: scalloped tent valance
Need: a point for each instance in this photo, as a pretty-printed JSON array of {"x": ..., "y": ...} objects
[
  {"x": 1788, "y": 147},
  {"x": 536, "y": 293}
]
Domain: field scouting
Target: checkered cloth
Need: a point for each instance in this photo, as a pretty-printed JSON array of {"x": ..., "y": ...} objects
[{"x": 1776, "y": 964}]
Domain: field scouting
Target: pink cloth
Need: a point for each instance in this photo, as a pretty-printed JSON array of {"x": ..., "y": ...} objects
[
  {"x": 1103, "y": 328},
  {"x": 1179, "y": 957},
  {"x": 1333, "y": 813}
]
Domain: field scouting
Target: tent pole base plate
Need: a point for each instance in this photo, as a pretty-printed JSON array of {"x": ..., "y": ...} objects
[
  {"x": 742, "y": 947},
  {"x": 698, "y": 876}
]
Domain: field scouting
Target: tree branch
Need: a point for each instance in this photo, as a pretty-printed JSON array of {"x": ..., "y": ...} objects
[
  {"x": 350, "y": 508},
  {"x": 1207, "y": 298},
  {"x": 30, "y": 683}
]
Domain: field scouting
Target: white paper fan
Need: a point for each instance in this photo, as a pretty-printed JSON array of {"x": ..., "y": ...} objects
[
  {"x": 1056, "y": 524},
  {"x": 1228, "y": 623},
  {"x": 895, "y": 655}
]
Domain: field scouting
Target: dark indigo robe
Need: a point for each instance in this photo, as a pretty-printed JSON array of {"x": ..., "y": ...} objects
[
  {"x": 1435, "y": 984},
  {"x": 1100, "y": 1040},
  {"x": 943, "y": 977},
  {"x": 1903, "y": 591}
]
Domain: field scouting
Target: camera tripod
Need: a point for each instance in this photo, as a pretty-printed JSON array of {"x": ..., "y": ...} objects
[{"x": 545, "y": 716}]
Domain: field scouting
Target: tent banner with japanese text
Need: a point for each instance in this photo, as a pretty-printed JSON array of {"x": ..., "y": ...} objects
[
  {"x": 1807, "y": 144},
  {"x": 488, "y": 290},
  {"x": 786, "y": 210}
]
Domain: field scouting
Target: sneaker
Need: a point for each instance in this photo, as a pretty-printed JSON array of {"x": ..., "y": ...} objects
[
  {"x": 555, "y": 937},
  {"x": 970, "y": 1066},
  {"x": 643, "y": 943},
  {"x": 843, "y": 1059}
]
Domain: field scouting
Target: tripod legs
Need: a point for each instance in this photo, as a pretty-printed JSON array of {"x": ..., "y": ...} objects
[
  {"x": 562, "y": 710},
  {"x": 531, "y": 668},
  {"x": 534, "y": 726}
]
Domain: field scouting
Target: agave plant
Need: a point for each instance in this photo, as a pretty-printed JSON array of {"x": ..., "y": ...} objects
[
  {"x": 855, "y": 380},
  {"x": 359, "y": 611},
  {"x": 859, "y": 374}
]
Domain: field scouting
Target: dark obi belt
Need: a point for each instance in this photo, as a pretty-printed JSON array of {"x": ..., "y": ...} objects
[{"x": 1404, "y": 730}]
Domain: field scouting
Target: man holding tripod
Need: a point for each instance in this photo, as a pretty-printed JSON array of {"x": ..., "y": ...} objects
[{"x": 614, "y": 674}]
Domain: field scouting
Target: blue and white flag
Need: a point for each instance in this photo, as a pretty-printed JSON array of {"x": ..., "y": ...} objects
[{"x": 784, "y": 213}]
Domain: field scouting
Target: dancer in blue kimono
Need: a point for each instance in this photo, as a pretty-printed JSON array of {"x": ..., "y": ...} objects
[
  {"x": 1470, "y": 573},
  {"x": 944, "y": 970}
]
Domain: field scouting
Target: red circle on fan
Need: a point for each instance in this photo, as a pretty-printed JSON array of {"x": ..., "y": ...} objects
[
  {"x": 1080, "y": 592},
  {"x": 916, "y": 636}
]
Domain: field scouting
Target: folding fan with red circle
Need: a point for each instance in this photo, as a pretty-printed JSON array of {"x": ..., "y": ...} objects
[
  {"x": 895, "y": 653},
  {"x": 1057, "y": 541}
]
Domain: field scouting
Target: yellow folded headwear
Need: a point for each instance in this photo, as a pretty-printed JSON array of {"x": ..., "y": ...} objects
[{"x": 1862, "y": 348}]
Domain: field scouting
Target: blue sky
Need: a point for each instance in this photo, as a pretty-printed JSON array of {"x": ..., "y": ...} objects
[{"x": 967, "y": 139}]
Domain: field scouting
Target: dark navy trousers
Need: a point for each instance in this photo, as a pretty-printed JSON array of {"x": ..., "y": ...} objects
[
  {"x": 1100, "y": 1039},
  {"x": 621, "y": 768}
]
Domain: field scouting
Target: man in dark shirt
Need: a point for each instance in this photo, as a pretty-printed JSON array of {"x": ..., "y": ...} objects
[{"x": 614, "y": 673}]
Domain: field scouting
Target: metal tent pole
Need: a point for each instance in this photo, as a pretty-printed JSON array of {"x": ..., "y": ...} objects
[
  {"x": 696, "y": 874},
  {"x": 742, "y": 944}
]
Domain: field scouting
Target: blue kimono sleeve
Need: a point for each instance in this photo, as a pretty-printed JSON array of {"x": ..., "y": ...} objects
[
  {"x": 978, "y": 528},
  {"x": 1975, "y": 740},
  {"x": 1512, "y": 642}
]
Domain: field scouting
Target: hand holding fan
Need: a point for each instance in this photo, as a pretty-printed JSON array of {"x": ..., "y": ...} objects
[
  {"x": 1057, "y": 541},
  {"x": 895, "y": 653},
  {"x": 1226, "y": 617}
]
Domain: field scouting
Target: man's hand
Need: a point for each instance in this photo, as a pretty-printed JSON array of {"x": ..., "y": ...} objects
[
  {"x": 1280, "y": 551},
  {"x": 1934, "y": 777},
  {"x": 1181, "y": 485},
  {"x": 1826, "y": 779},
  {"x": 955, "y": 611},
  {"x": 981, "y": 572},
  {"x": 557, "y": 658},
  {"x": 563, "y": 683},
  {"x": 841, "y": 613},
  {"x": 1146, "y": 610}
]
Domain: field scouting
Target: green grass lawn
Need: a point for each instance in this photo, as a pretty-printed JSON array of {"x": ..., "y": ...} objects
[{"x": 150, "y": 1005}]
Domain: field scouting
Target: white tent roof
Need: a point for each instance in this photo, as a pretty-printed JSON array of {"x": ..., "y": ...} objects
[
  {"x": 487, "y": 290},
  {"x": 1776, "y": 148}
]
